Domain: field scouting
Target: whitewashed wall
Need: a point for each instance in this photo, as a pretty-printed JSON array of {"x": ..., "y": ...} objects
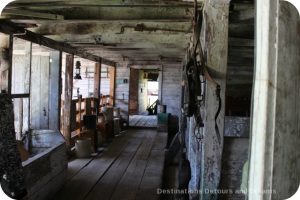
[
  {"x": 171, "y": 88},
  {"x": 122, "y": 89}
]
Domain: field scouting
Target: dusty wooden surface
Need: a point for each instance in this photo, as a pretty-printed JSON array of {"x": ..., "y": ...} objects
[{"x": 130, "y": 168}]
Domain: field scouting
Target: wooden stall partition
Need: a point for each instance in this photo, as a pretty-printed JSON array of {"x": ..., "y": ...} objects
[{"x": 112, "y": 75}]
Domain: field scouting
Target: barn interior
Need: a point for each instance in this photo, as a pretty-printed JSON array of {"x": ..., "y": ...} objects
[{"x": 154, "y": 99}]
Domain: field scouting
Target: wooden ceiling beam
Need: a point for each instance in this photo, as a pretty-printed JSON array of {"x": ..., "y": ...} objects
[
  {"x": 114, "y": 13},
  {"x": 142, "y": 40},
  {"x": 104, "y": 3},
  {"x": 32, "y": 14},
  {"x": 10, "y": 28},
  {"x": 115, "y": 27}
]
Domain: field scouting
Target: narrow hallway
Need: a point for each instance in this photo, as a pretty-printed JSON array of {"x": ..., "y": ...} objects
[{"x": 130, "y": 168}]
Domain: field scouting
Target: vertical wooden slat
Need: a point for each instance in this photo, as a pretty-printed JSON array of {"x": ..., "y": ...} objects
[
  {"x": 28, "y": 62},
  {"x": 34, "y": 93},
  {"x": 54, "y": 90},
  {"x": 11, "y": 38},
  {"x": 60, "y": 89},
  {"x": 44, "y": 92},
  {"x": 68, "y": 99},
  {"x": 160, "y": 82},
  {"x": 112, "y": 75}
]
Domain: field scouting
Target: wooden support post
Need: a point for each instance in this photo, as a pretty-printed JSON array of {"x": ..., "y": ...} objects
[
  {"x": 160, "y": 82},
  {"x": 68, "y": 99},
  {"x": 97, "y": 80},
  {"x": 112, "y": 77},
  {"x": 28, "y": 61},
  {"x": 60, "y": 89},
  {"x": 216, "y": 28},
  {"x": 97, "y": 86},
  {"x": 10, "y": 56},
  {"x": 205, "y": 155}
]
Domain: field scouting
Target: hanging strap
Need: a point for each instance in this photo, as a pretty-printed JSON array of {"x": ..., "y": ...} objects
[{"x": 218, "y": 93}]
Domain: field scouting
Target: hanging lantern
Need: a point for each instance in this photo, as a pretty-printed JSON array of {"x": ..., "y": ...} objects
[{"x": 77, "y": 70}]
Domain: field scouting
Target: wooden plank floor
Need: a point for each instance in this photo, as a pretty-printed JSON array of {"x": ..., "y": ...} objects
[
  {"x": 130, "y": 168},
  {"x": 149, "y": 121}
]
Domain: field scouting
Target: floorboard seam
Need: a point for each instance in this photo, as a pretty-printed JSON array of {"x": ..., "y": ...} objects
[
  {"x": 127, "y": 142},
  {"x": 146, "y": 165}
]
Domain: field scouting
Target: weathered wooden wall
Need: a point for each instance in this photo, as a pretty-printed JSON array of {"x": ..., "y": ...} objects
[
  {"x": 122, "y": 89},
  {"x": 86, "y": 84},
  {"x": 54, "y": 90},
  {"x": 104, "y": 90},
  {"x": 20, "y": 85},
  {"x": 205, "y": 156},
  {"x": 235, "y": 155},
  {"x": 171, "y": 88},
  {"x": 39, "y": 99}
]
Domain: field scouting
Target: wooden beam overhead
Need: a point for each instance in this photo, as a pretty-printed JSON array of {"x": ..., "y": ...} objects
[
  {"x": 103, "y": 3},
  {"x": 10, "y": 28},
  {"x": 145, "y": 40},
  {"x": 40, "y": 6},
  {"x": 120, "y": 13},
  {"x": 115, "y": 27},
  {"x": 25, "y": 13}
]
